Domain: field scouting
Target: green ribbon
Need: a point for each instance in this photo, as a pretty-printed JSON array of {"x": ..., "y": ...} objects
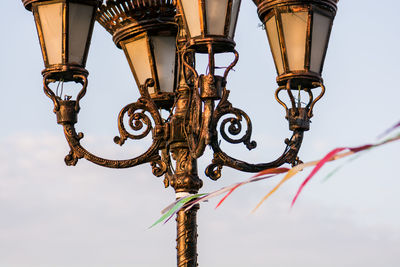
[{"x": 176, "y": 208}]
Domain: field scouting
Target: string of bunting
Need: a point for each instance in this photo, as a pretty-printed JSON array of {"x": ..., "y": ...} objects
[{"x": 338, "y": 153}]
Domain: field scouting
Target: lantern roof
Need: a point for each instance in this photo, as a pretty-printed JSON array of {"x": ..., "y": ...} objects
[
  {"x": 263, "y": 6},
  {"x": 28, "y": 3},
  {"x": 126, "y": 18}
]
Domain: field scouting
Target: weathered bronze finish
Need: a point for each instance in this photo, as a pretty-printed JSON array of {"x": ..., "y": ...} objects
[
  {"x": 185, "y": 178},
  {"x": 67, "y": 114},
  {"x": 200, "y": 112},
  {"x": 124, "y": 18},
  {"x": 186, "y": 240}
]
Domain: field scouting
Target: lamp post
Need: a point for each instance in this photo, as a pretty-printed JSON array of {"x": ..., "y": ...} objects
[{"x": 160, "y": 40}]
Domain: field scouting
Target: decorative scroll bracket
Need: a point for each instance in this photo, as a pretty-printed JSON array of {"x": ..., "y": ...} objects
[{"x": 67, "y": 116}]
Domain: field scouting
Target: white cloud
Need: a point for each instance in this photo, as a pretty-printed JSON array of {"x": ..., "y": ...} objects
[{"x": 53, "y": 215}]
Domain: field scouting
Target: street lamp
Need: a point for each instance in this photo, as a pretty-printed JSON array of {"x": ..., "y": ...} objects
[{"x": 160, "y": 40}]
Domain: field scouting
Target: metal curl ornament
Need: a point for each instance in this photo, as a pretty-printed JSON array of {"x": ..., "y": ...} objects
[
  {"x": 235, "y": 123},
  {"x": 159, "y": 167},
  {"x": 235, "y": 128},
  {"x": 138, "y": 118},
  {"x": 297, "y": 123},
  {"x": 213, "y": 171}
]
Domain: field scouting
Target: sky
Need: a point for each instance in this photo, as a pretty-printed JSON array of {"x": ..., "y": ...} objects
[{"x": 54, "y": 215}]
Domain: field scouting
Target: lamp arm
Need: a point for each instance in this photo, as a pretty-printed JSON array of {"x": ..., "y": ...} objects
[
  {"x": 67, "y": 114},
  {"x": 235, "y": 128},
  {"x": 222, "y": 159},
  {"x": 78, "y": 151}
]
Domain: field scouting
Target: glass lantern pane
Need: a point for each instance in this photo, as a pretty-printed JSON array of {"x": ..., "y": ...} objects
[
  {"x": 192, "y": 15},
  {"x": 320, "y": 37},
  {"x": 216, "y": 16},
  {"x": 234, "y": 17},
  {"x": 165, "y": 56},
  {"x": 50, "y": 16},
  {"x": 80, "y": 18},
  {"x": 273, "y": 38},
  {"x": 294, "y": 26},
  {"x": 138, "y": 54}
]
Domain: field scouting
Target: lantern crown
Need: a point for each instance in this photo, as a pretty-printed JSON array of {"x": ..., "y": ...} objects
[
  {"x": 126, "y": 18},
  {"x": 28, "y": 3},
  {"x": 263, "y": 6}
]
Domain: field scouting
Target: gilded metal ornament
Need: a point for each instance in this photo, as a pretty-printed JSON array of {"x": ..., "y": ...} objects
[{"x": 200, "y": 113}]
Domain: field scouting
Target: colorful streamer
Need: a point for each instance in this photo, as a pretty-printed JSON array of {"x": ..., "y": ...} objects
[
  {"x": 179, "y": 204},
  {"x": 391, "y": 129},
  {"x": 319, "y": 165},
  {"x": 188, "y": 202},
  {"x": 226, "y": 189},
  {"x": 300, "y": 167},
  {"x": 274, "y": 171},
  {"x": 338, "y": 168}
]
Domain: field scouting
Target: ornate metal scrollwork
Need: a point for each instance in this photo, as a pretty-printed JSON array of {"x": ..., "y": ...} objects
[
  {"x": 137, "y": 117},
  {"x": 234, "y": 126},
  {"x": 162, "y": 166},
  {"x": 137, "y": 120},
  {"x": 158, "y": 168},
  {"x": 193, "y": 126},
  {"x": 67, "y": 111},
  {"x": 200, "y": 129},
  {"x": 77, "y": 152}
]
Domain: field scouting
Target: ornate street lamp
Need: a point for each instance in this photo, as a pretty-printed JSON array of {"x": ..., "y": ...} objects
[{"x": 160, "y": 40}]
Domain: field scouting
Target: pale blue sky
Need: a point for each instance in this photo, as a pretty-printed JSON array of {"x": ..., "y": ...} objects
[{"x": 54, "y": 215}]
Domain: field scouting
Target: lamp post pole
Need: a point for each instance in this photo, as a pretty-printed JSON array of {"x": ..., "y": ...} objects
[
  {"x": 185, "y": 181},
  {"x": 160, "y": 40}
]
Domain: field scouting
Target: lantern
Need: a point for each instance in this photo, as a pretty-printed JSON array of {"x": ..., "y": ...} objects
[
  {"x": 65, "y": 28},
  {"x": 148, "y": 39},
  {"x": 152, "y": 56},
  {"x": 210, "y": 22},
  {"x": 298, "y": 33}
]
